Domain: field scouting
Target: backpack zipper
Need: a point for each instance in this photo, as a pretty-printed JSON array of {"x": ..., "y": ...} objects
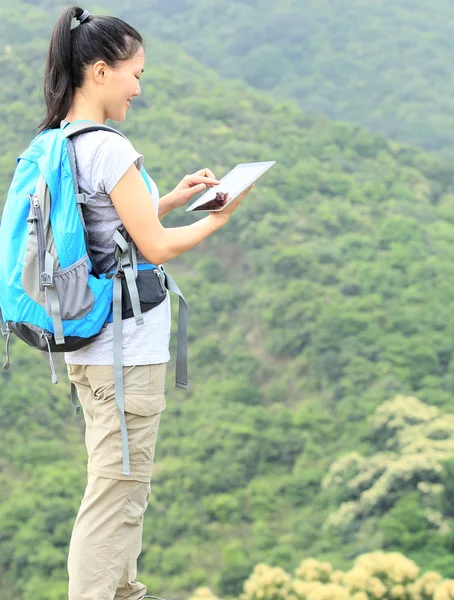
[
  {"x": 40, "y": 234},
  {"x": 161, "y": 281}
]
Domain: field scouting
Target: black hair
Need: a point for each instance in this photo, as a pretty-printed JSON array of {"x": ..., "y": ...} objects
[{"x": 71, "y": 50}]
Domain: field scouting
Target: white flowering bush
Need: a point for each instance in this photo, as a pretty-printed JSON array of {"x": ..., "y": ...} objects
[
  {"x": 203, "y": 593},
  {"x": 313, "y": 570},
  {"x": 417, "y": 440},
  {"x": 445, "y": 591},
  {"x": 382, "y": 575},
  {"x": 344, "y": 469},
  {"x": 427, "y": 585},
  {"x": 267, "y": 583},
  {"x": 399, "y": 414},
  {"x": 374, "y": 576},
  {"x": 313, "y": 590}
]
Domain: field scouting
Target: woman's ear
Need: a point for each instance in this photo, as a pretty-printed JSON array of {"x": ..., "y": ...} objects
[{"x": 99, "y": 70}]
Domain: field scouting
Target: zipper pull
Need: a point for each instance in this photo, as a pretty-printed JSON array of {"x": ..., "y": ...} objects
[
  {"x": 161, "y": 280},
  {"x": 51, "y": 362},
  {"x": 6, "y": 364}
]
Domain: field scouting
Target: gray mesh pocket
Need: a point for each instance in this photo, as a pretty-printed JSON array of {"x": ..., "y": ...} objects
[{"x": 76, "y": 298}]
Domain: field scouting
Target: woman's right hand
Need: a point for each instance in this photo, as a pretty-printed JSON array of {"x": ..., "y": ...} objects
[{"x": 223, "y": 216}]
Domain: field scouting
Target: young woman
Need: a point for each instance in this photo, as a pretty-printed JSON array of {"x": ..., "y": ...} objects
[{"x": 93, "y": 73}]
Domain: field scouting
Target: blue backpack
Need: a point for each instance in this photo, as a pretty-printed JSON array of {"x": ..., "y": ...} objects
[{"x": 51, "y": 296}]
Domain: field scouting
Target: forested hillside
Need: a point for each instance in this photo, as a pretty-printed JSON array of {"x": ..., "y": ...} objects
[
  {"x": 386, "y": 65},
  {"x": 318, "y": 424}
]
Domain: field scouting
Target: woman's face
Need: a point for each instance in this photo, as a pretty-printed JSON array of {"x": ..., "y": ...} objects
[{"x": 121, "y": 85}]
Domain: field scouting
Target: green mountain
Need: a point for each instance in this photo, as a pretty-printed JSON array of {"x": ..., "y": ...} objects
[
  {"x": 326, "y": 296},
  {"x": 385, "y": 65}
]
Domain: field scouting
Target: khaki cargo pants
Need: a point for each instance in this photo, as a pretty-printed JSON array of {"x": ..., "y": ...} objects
[{"x": 107, "y": 537}]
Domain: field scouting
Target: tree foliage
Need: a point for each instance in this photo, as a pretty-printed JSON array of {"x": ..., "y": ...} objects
[
  {"x": 327, "y": 295},
  {"x": 383, "y": 65}
]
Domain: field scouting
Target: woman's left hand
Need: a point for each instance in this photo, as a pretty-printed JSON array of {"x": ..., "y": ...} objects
[{"x": 191, "y": 185}]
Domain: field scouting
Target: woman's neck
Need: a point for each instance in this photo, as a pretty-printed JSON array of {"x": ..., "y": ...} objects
[{"x": 84, "y": 109}]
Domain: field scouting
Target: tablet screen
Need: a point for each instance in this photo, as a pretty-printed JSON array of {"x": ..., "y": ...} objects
[{"x": 235, "y": 182}]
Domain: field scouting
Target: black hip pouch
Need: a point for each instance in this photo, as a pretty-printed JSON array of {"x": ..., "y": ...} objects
[{"x": 151, "y": 288}]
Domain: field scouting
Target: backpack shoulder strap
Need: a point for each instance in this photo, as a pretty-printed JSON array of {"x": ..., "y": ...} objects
[
  {"x": 73, "y": 129},
  {"x": 70, "y": 130}
]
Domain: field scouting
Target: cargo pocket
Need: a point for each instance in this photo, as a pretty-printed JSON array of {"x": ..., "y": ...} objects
[
  {"x": 144, "y": 396},
  {"x": 144, "y": 388},
  {"x": 145, "y": 405},
  {"x": 75, "y": 296}
]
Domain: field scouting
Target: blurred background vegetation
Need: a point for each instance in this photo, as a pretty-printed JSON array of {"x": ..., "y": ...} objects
[{"x": 318, "y": 428}]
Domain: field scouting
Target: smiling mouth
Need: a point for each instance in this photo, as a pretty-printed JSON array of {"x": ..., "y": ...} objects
[{"x": 128, "y": 102}]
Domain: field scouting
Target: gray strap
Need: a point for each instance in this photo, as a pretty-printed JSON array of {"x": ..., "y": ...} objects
[
  {"x": 72, "y": 129},
  {"x": 131, "y": 276},
  {"x": 134, "y": 259},
  {"x": 83, "y": 198},
  {"x": 56, "y": 315},
  {"x": 118, "y": 372},
  {"x": 120, "y": 241},
  {"x": 47, "y": 280},
  {"x": 4, "y": 328},
  {"x": 73, "y": 165},
  {"x": 74, "y": 399},
  {"x": 134, "y": 295},
  {"x": 47, "y": 276},
  {"x": 181, "y": 371}
]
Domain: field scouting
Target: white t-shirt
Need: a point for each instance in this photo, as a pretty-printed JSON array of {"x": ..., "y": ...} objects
[{"x": 102, "y": 158}]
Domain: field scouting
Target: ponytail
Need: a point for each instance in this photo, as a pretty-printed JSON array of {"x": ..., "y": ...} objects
[{"x": 72, "y": 48}]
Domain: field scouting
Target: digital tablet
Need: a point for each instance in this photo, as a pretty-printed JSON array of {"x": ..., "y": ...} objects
[{"x": 235, "y": 182}]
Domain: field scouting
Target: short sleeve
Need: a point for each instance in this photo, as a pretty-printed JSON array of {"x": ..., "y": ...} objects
[{"x": 113, "y": 157}]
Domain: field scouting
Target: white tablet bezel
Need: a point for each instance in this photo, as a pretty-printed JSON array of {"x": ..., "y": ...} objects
[{"x": 210, "y": 194}]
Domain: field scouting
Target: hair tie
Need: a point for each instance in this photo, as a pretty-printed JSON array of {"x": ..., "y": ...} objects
[
  {"x": 76, "y": 21},
  {"x": 84, "y": 16}
]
